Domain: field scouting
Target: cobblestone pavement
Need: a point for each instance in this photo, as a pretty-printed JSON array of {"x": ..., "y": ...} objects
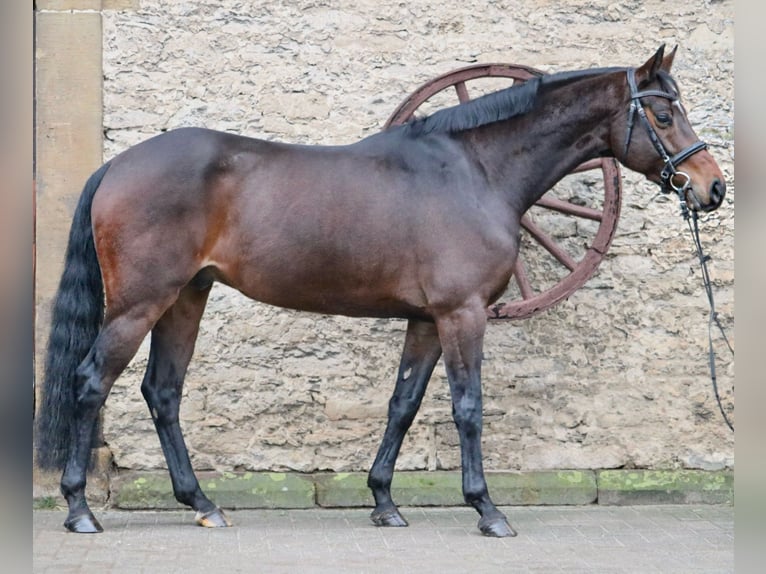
[{"x": 575, "y": 539}]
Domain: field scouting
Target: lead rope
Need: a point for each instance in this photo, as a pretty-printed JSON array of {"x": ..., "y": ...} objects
[{"x": 692, "y": 221}]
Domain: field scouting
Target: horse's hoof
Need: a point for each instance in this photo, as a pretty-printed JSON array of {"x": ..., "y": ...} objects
[
  {"x": 212, "y": 519},
  {"x": 390, "y": 517},
  {"x": 83, "y": 524},
  {"x": 496, "y": 527}
]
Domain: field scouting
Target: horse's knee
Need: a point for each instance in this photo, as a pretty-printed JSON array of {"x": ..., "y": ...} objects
[
  {"x": 467, "y": 415},
  {"x": 402, "y": 410},
  {"x": 163, "y": 402}
]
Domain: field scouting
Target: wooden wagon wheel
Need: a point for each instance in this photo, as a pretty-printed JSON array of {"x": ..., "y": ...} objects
[{"x": 594, "y": 218}]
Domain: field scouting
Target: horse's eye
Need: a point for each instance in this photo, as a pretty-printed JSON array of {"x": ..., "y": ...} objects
[{"x": 664, "y": 119}]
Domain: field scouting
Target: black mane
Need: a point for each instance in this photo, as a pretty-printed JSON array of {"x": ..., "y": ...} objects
[
  {"x": 668, "y": 83},
  {"x": 496, "y": 106}
]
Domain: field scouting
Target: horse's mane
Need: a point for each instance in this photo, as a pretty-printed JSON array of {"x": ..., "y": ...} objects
[
  {"x": 668, "y": 83},
  {"x": 497, "y": 106}
]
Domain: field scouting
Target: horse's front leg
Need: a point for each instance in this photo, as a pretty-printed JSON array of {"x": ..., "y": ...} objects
[
  {"x": 462, "y": 335},
  {"x": 420, "y": 354}
]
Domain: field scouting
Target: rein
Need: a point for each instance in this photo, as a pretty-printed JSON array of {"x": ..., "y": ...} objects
[
  {"x": 692, "y": 220},
  {"x": 674, "y": 179}
]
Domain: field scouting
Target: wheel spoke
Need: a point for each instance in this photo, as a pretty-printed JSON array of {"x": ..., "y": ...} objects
[
  {"x": 588, "y": 165},
  {"x": 570, "y": 208},
  {"x": 522, "y": 279},
  {"x": 546, "y": 241},
  {"x": 462, "y": 92}
]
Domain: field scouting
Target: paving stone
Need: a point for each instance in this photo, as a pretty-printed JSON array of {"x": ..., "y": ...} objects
[{"x": 573, "y": 539}]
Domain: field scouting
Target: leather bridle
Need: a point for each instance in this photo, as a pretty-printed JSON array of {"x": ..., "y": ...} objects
[{"x": 671, "y": 178}]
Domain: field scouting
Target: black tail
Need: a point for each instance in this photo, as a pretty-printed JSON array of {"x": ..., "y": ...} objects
[{"x": 78, "y": 312}]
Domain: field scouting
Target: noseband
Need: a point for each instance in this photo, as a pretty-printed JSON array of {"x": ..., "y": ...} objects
[{"x": 671, "y": 179}]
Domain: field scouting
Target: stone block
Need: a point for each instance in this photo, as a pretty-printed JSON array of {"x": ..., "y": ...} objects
[
  {"x": 623, "y": 487},
  {"x": 153, "y": 490},
  {"x": 444, "y": 488},
  {"x": 343, "y": 489}
]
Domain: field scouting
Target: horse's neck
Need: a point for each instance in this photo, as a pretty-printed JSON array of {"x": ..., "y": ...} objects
[{"x": 525, "y": 156}]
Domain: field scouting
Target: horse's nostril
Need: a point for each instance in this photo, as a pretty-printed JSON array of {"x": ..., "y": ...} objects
[{"x": 717, "y": 191}]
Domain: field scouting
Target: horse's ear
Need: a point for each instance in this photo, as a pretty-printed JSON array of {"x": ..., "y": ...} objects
[
  {"x": 648, "y": 71},
  {"x": 667, "y": 61}
]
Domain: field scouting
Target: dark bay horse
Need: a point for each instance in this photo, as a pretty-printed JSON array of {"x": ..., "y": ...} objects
[{"x": 420, "y": 222}]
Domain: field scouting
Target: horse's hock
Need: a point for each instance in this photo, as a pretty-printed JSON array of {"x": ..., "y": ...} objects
[{"x": 614, "y": 375}]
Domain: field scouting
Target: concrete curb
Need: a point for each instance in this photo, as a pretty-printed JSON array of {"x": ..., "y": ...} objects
[
  {"x": 252, "y": 490},
  {"x": 444, "y": 488},
  {"x": 629, "y": 487},
  {"x": 153, "y": 490}
]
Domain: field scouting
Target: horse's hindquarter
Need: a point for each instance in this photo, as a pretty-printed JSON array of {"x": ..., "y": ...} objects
[{"x": 356, "y": 230}]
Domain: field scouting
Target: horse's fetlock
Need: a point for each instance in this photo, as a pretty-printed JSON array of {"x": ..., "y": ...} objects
[
  {"x": 378, "y": 482},
  {"x": 186, "y": 496},
  {"x": 476, "y": 497},
  {"x": 71, "y": 488}
]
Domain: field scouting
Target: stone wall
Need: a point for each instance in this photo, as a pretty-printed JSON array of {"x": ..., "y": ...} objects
[{"x": 616, "y": 376}]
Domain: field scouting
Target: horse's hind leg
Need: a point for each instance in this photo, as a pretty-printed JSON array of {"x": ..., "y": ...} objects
[
  {"x": 111, "y": 352},
  {"x": 172, "y": 345},
  {"x": 421, "y": 352}
]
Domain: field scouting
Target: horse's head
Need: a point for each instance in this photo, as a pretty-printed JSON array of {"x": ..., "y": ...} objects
[{"x": 654, "y": 137}]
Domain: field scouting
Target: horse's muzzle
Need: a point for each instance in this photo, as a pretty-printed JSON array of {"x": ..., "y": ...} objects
[{"x": 716, "y": 193}]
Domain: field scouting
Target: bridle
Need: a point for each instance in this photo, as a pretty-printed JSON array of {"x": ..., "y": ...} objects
[{"x": 671, "y": 178}]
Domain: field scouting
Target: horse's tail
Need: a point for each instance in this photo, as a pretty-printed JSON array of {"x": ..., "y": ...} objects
[{"x": 78, "y": 312}]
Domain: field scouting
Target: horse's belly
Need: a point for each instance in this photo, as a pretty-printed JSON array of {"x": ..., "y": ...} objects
[{"x": 336, "y": 301}]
